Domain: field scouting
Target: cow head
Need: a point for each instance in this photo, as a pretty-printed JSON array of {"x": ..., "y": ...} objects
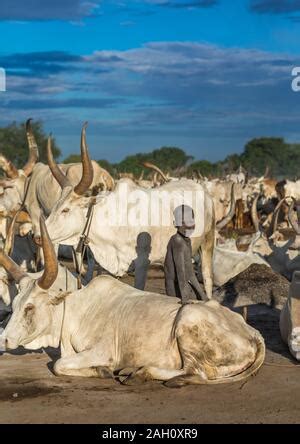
[
  {"x": 67, "y": 219},
  {"x": 37, "y": 313},
  {"x": 12, "y": 189}
]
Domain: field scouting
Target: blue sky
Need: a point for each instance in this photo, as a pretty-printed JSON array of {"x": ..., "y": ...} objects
[{"x": 205, "y": 75}]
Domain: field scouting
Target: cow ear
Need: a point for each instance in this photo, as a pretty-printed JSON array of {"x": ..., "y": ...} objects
[{"x": 59, "y": 297}]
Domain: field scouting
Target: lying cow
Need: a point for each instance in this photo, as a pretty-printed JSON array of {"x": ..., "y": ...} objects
[
  {"x": 290, "y": 318},
  {"x": 110, "y": 327},
  {"x": 228, "y": 262}
]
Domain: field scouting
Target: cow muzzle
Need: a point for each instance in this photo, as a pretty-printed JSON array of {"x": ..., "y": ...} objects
[
  {"x": 294, "y": 343},
  {"x": 37, "y": 240}
]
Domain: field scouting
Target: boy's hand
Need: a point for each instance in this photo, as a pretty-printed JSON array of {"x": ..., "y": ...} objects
[{"x": 189, "y": 302}]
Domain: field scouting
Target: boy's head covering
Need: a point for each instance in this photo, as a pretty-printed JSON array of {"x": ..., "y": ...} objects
[{"x": 184, "y": 215}]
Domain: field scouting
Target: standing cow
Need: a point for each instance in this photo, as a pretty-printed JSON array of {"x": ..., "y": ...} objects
[{"x": 121, "y": 217}]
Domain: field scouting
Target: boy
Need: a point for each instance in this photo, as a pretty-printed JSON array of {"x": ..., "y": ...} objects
[{"x": 180, "y": 278}]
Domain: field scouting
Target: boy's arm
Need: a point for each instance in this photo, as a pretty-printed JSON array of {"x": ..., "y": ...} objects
[{"x": 179, "y": 262}]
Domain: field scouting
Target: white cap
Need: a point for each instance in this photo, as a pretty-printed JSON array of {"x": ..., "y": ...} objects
[{"x": 184, "y": 215}]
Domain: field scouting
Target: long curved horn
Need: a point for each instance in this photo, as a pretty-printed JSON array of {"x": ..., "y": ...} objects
[
  {"x": 155, "y": 168},
  {"x": 11, "y": 267},
  {"x": 55, "y": 170},
  {"x": 267, "y": 172},
  {"x": 8, "y": 167},
  {"x": 142, "y": 175},
  {"x": 254, "y": 214},
  {"x": 222, "y": 224},
  {"x": 294, "y": 224},
  {"x": 10, "y": 236},
  {"x": 200, "y": 175},
  {"x": 33, "y": 150},
  {"x": 274, "y": 222},
  {"x": 51, "y": 264},
  {"x": 87, "y": 167}
]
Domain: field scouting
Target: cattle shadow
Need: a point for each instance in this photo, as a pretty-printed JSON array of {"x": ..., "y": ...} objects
[
  {"x": 20, "y": 351},
  {"x": 266, "y": 321},
  {"x": 141, "y": 263}
]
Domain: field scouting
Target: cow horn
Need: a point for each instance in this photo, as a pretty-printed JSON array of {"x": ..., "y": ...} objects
[
  {"x": 200, "y": 175},
  {"x": 87, "y": 167},
  {"x": 155, "y": 168},
  {"x": 254, "y": 214},
  {"x": 51, "y": 264},
  {"x": 222, "y": 224},
  {"x": 10, "y": 235},
  {"x": 11, "y": 267},
  {"x": 274, "y": 222},
  {"x": 33, "y": 149},
  {"x": 8, "y": 167},
  {"x": 295, "y": 225},
  {"x": 267, "y": 172},
  {"x": 141, "y": 176},
  {"x": 55, "y": 170}
]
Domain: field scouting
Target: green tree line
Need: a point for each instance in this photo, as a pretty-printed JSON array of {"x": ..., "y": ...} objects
[
  {"x": 282, "y": 158},
  {"x": 13, "y": 143}
]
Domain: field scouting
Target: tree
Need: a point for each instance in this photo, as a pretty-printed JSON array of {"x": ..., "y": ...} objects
[
  {"x": 111, "y": 168},
  {"x": 167, "y": 158},
  {"x": 13, "y": 143},
  {"x": 205, "y": 168},
  {"x": 231, "y": 163},
  {"x": 72, "y": 158},
  {"x": 282, "y": 158}
]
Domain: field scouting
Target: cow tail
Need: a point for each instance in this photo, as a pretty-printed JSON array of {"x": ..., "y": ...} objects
[
  {"x": 180, "y": 381},
  {"x": 175, "y": 323}
]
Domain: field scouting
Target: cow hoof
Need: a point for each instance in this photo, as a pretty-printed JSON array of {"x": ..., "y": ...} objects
[
  {"x": 139, "y": 377},
  {"x": 174, "y": 383},
  {"x": 104, "y": 373},
  {"x": 134, "y": 379},
  {"x": 127, "y": 371}
]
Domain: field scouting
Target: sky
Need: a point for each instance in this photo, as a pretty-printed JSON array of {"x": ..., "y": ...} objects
[{"x": 203, "y": 75}]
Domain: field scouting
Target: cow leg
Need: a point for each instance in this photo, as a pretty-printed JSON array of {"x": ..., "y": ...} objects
[
  {"x": 145, "y": 374},
  {"x": 86, "y": 363},
  {"x": 207, "y": 251}
]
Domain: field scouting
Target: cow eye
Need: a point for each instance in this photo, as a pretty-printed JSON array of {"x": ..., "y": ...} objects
[
  {"x": 66, "y": 210},
  {"x": 29, "y": 308}
]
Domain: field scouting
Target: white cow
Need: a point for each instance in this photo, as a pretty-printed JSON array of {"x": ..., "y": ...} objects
[
  {"x": 122, "y": 217},
  {"x": 228, "y": 262},
  {"x": 110, "y": 327},
  {"x": 290, "y": 318}
]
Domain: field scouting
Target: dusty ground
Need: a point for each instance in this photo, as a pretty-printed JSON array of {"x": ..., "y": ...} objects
[{"x": 31, "y": 394}]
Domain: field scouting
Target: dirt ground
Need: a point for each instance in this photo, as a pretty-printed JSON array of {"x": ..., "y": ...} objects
[{"x": 30, "y": 393}]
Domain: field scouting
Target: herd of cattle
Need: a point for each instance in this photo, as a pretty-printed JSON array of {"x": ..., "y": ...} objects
[{"x": 106, "y": 328}]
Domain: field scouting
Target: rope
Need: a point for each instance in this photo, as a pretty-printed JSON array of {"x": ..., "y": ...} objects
[{"x": 84, "y": 239}]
